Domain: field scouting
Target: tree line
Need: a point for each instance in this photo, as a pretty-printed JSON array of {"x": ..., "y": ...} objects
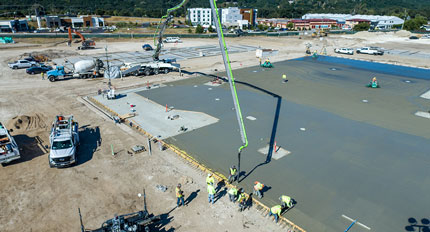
[{"x": 266, "y": 8}]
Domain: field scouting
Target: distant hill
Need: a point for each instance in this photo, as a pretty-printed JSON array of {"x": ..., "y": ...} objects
[{"x": 266, "y": 8}]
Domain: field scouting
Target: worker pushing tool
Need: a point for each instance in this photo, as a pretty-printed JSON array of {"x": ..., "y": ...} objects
[
  {"x": 276, "y": 211},
  {"x": 233, "y": 174},
  {"x": 232, "y": 194},
  {"x": 286, "y": 201},
  {"x": 284, "y": 78},
  {"x": 242, "y": 199},
  {"x": 258, "y": 189},
  {"x": 267, "y": 64}
]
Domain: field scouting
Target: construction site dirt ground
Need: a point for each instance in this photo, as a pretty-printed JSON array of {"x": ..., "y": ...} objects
[{"x": 34, "y": 197}]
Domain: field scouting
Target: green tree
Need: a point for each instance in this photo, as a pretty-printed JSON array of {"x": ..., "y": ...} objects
[
  {"x": 211, "y": 29},
  {"x": 416, "y": 23},
  {"x": 199, "y": 29},
  {"x": 362, "y": 27}
]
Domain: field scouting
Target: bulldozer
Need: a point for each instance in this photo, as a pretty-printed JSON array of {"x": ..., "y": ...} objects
[{"x": 86, "y": 44}]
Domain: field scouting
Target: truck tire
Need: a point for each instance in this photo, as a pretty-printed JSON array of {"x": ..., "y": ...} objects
[
  {"x": 32, "y": 73},
  {"x": 33, "y": 65},
  {"x": 51, "y": 78},
  {"x": 156, "y": 71},
  {"x": 358, "y": 52},
  {"x": 136, "y": 73},
  {"x": 166, "y": 70},
  {"x": 147, "y": 72},
  {"x": 15, "y": 67}
]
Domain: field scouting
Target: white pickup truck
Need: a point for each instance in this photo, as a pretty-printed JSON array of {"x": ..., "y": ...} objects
[
  {"x": 370, "y": 51},
  {"x": 22, "y": 64},
  {"x": 347, "y": 51},
  {"x": 8, "y": 148}
]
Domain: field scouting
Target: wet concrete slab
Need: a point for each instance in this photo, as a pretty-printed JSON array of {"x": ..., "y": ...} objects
[{"x": 367, "y": 160}]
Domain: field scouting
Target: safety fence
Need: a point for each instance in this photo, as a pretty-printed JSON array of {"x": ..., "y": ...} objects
[{"x": 283, "y": 222}]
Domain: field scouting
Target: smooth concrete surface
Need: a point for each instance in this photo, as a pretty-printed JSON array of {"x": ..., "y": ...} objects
[{"x": 367, "y": 160}]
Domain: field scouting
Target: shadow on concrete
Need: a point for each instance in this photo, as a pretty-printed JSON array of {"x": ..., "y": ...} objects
[
  {"x": 29, "y": 148},
  {"x": 191, "y": 196},
  {"x": 274, "y": 125},
  {"x": 265, "y": 189},
  {"x": 90, "y": 140},
  {"x": 422, "y": 226}
]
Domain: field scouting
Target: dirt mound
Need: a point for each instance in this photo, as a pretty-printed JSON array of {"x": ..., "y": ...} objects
[
  {"x": 46, "y": 55},
  {"x": 24, "y": 123}
]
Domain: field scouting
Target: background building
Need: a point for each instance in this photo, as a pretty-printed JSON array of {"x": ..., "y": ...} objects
[
  {"x": 376, "y": 21},
  {"x": 250, "y": 15},
  {"x": 202, "y": 16},
  {"x": 230, "y": 15},
  {"x": 13, "y": 25}
]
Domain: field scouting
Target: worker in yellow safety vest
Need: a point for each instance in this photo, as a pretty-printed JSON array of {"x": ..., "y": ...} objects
[
  {"x": 286, "y": 201},
  {"x": 211, "y": 193},
  {"x": 179, "y": 196},
  {"x": 284, "y": 78},
  {"x": 258, "y": 189},
  {"x": 233, "y": 174},
  {"x": 242, "y": 200},
  {"x": 276, "y": 211},
  {"x": 232, "y": 194},
  {"x": 210, "y": 180}
]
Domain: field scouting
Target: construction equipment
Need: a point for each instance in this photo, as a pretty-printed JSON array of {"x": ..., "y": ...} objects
[
  {"x": 6, "y": 40},
  {"x": 81, "y": 69},
  {"x": 227, "y": 65},
  {"x": 8, "y": 148},
  {"x": 308, "y": 48},
  {"x": 64, "y": 140},
  {"x": 267, "y": 64},
  {"x": 132, "y": 222},
  {"x": 86, "y": 44},
  {"x": 373, "y": 84}
]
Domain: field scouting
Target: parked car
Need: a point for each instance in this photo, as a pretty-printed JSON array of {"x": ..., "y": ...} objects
[
  {"x": 413, "y": 37},
  {"x": 21, "y": 64},
  {"x": 173, "y": 40},
  {"x": 147, "y": 47},
  {"x": 38, "y": 69},
  {"x": 370, "y": 51},
  {"x": 348, "y": 51}
]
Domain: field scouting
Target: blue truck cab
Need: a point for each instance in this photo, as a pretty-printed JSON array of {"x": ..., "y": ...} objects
[{"x": 56, "y": 74}]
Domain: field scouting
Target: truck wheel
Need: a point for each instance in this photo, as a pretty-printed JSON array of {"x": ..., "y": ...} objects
[
  {"x": 156, "y": 71},
  {"x": 166, "y": 70},
  {"x": 33, "y": 65},
  {"x": 51, "y": 78},
  {"x": 147, "y": 72},
  {"x": 15, "y": 67},
  {"x": 32, "y": 73},
  {"x": 136, "y": 73}
]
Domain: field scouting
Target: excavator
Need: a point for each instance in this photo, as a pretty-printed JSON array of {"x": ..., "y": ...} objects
[{"x": 86, "y": 44}]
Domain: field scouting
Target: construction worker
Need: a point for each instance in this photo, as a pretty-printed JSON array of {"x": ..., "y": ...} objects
[
  {"x": 374, "y": 79},
  {"x": 233, "y": 174},
  {"x": 258, "y": 188},
  {"x": 179, "y": 196},
  {"x": 232, "y": 194},
  {"x": 242, "y": 200},
  {"x": 211, "y": 193},
  {"x": 210, "y": 180},
  {"x": 259, "y": 60},
  {"x": 43, "y": 75},
  {"x": 284, "y": 78},
  {"x": 286, "y": 201},
  {"x": 276, "y": 211}
]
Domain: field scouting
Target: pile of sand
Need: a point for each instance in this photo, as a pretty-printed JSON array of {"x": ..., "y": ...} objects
[{"x": 23, "y": 123}]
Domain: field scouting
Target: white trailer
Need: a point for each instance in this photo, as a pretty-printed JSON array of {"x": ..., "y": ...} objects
[{"x": 8, "y": 148}]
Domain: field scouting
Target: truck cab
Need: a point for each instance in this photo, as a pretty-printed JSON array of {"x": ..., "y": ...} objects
[
  {"x": 56, "y": 74},
  {"x": 64, "y": 140},
  {"x": 8, "y": 148}
]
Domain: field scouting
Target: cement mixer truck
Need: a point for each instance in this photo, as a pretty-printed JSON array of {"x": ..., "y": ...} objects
[{"x": 82, "y": 69}]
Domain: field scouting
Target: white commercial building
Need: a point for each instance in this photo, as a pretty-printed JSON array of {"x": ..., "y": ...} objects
[
  {"x": 377, "y": 21},
  {"x": 202, "y": 16},
  {"x": 230, "y": 15}
]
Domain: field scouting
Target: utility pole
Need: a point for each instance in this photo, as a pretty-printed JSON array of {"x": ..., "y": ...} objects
[{"x": 404, "y": 20}]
